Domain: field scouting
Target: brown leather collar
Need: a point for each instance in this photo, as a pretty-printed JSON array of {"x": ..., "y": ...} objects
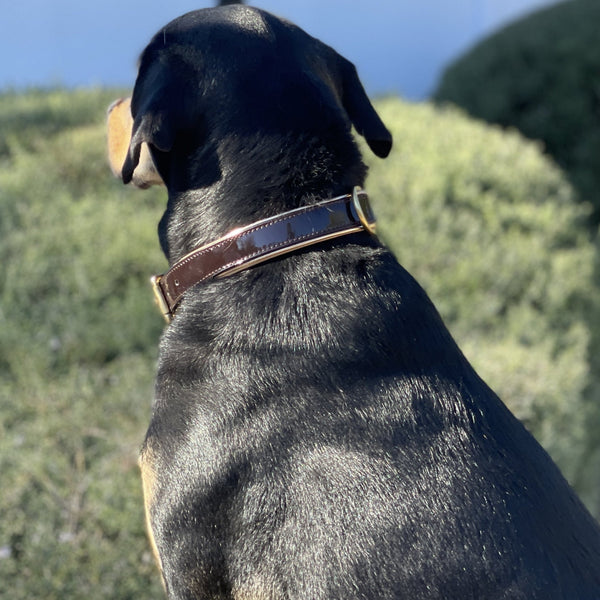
[{"x": 261, "y": 241}]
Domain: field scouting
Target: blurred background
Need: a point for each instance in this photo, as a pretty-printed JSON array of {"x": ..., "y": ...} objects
[{"x": 489, "y": 197}]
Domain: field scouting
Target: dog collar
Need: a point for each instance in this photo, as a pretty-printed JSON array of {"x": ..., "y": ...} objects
[{"x": 261, "y": 241}]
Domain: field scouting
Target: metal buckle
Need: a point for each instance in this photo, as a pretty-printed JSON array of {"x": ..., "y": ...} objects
[
  {"x": 363, "y": 210},
  {"x": 159, "y": 296}
]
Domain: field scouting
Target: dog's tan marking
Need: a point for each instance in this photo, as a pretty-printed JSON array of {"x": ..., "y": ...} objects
[
  {"x": 147, "y": 467},
  {"x": 120, "y": 125},
  {"x": 255, "y": 589}
]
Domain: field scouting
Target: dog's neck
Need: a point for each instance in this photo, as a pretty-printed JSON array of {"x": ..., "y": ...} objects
[
  {"x": 242, "y": 181},
  {"x": 264, "y": 241}
]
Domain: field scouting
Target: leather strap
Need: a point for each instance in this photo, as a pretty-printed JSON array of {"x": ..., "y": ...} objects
[{"x": 261, "y": 241}]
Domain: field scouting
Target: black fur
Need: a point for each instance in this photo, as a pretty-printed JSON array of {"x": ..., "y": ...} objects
[{"x": 316, "y": 432}]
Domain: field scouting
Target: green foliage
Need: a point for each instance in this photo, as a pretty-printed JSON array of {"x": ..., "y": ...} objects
[
  {"x": 484, "y": 222},
  {"x": 72, "y": 510},
  {"x": 25, "y": 119},
  {"x": 490, "y": 228},
  {"x": 541, "y": 75},
  {"x": 77, "y": 247},
  {"x": 78, "y": 333}
]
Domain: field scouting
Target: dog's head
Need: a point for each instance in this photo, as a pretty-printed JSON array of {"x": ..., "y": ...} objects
[{"x": 218, "y": 73}]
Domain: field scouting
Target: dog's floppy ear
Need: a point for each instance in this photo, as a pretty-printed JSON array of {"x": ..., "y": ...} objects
[
  {"x": 120, "y": 125},
  {"x": 152, "y": 127},
  {"x": 157, "y": 109},
  {"x": 361, "y": 112}
]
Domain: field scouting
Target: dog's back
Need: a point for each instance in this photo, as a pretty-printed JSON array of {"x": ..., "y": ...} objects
[
  {"x": 347, "y": 449},
  {"x": 316, "y": 431}
]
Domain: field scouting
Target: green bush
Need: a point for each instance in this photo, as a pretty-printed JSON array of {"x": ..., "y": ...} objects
[
  {"x": 72, "y": 510},
  {"x": 490, "y": 228},
  {"x": 77, "y": 249},
  {"x": 541, "y": 75},
  {"x": 78, "y": 332},
  {"x": 27, "y": 119},
  {"x": 486, "y": 224}
]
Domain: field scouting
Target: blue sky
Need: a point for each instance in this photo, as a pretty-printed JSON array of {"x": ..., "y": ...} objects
[{"x": 398, "y": 46}]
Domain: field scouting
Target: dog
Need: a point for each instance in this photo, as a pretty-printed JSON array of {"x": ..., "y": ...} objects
[{"x": 316, "y": 432}]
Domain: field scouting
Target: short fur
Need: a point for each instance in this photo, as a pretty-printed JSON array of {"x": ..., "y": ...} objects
[{"x": 316, "y": 432}]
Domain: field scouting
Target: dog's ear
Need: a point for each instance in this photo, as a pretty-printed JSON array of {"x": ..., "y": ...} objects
[
  {"x": 165, "y": 111},
  {"x": 120, "y": 126},
  {"x": 361, "y": 112},
  {"x": 158, "y": 111},
  {"x": 152, "y": 127}
]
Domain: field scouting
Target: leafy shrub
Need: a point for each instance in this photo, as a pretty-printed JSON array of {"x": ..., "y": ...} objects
[
  {"x": 77, "y": 250},
  {"x": 541, "y": 75},
  {"x": 72, "y": 510},
  {"x": 78, "y": 332},
  {"x": 25, "y": 119}
]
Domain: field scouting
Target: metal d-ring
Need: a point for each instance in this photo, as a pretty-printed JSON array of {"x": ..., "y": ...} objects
[{"x": 363, "y": 210}]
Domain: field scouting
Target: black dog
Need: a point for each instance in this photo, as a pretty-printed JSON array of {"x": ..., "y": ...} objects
[{"x": 316, "y": 432}]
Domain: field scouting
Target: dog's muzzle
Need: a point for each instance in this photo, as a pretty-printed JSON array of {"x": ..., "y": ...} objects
[{"x": 261, "y": 241}]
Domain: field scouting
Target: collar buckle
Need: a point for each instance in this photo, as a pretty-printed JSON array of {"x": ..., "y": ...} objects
[{"x": 161, "y": 300}]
